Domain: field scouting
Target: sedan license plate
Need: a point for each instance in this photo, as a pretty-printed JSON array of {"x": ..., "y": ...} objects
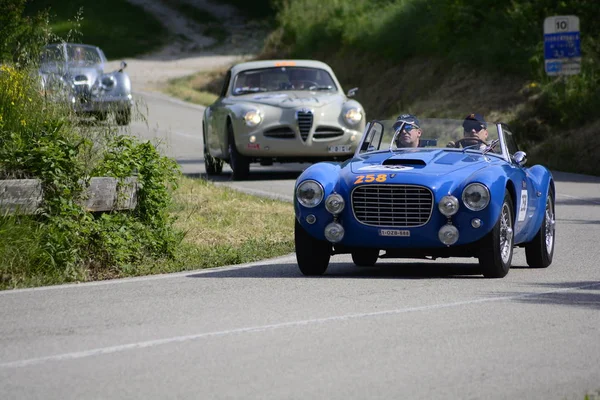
[
  {"x": 394, "y": 232},
  {"x": 341, "y": 148}
]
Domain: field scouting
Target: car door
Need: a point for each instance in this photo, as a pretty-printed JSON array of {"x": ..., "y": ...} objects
[{"x": 524, "y": 186}]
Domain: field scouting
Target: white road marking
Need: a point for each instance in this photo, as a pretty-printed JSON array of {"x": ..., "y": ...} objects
[{"x": 252, "y": 329}]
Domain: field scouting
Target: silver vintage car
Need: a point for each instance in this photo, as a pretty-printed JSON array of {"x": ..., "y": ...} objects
[
  {"x": 75, "y": 73},
  {"x": 280, "y": 111}
]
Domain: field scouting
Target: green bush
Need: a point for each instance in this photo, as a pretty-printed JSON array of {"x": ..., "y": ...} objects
[{"x": 43, "y": 139}]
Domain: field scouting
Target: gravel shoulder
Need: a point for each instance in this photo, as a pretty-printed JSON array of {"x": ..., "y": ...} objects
[{"x": 191, "y": 51}]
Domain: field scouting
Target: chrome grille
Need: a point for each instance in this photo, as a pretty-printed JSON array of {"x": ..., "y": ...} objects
[
  {"x": 327, "y": 132},
  {"x": 305, "y": 121},
  {"x": 282, "y": 132},
  {"x": 392, "y": 205}
]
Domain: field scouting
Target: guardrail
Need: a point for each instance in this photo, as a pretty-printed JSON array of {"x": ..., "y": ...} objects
[{"x": 25, "y": 196}]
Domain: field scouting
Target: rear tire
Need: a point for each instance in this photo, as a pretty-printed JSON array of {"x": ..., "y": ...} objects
[
  {"x": 365, "y": 257},
  {"x": 312, "y": 254},
  {"x": 213, "y": 166},
  {"x": 540, "y": 251},
  {"x": 495, "y": 255},
  {"x": 240, "y": 165}
]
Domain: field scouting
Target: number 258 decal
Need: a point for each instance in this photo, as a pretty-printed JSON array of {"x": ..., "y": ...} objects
[{"x": 370, "y": 178}]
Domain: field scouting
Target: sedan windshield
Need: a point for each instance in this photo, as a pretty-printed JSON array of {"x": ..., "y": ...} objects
[{"x": 282, "y": 78}]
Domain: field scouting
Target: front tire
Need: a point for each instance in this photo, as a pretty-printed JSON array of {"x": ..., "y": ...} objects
[
  {"x": 495, "y": 255},
  {"x": 540, "y": 251},
  {"x": 365, "y": 257},
  {"x": 312, "y": 254},
  {"x": 213, "y": 166},
  {"x": 240, "y": 165},
  {"x": 123, "y": 117}
]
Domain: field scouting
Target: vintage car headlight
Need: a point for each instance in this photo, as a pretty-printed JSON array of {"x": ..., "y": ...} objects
[
  {"x": 309, "y": 193},
  {"x": 448, "y": 205},
  {"x": 476, "y": 196},
  {"x": 353, "y": 116},
  {"x": 252, "y": 118},
  {"x": 334, "y": 203}
]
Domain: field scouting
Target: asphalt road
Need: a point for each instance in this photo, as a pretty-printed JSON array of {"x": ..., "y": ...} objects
[{"x": 405, "y": 330}]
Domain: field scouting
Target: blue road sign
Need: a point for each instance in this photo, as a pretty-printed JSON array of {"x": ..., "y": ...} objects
[{"x": 562, "y": 45}]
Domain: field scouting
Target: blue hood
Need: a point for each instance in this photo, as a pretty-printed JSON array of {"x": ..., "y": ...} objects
[{"x": 431, "y": 162}]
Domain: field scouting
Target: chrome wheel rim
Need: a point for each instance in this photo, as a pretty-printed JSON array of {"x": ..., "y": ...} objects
[
  {"x": 506, "y": 234},
  {"x": 549, "y": 233}
]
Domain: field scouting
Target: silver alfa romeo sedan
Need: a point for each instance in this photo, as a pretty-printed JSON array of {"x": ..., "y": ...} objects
[{"x": 280, "y": 111}]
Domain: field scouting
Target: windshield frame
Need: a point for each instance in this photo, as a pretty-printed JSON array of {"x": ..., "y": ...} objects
[{"x": 375, "y": 132}]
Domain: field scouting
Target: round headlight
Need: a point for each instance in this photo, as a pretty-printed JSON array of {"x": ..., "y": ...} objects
[
  {"x": 309, "y": 193},
  {"x": 252, "y": 118},
  {"x": 334, "y": 232},
  {"x": 448, "y": 205},
  {"x": 448, "y": 234},
  {"x": 334, "y": 203},
  {"x": 476, "y": 196},
  {"x": 353, "y": 116}
]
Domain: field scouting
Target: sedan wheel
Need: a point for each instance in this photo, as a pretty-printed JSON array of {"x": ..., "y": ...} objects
[
  {"x": 540, "y": 250},
  {"x": 312, "y": 254},
  {"x": 239, "y": 164},
  {"x": 365, "y": 257},
  {"x": 495, "y": 255}
]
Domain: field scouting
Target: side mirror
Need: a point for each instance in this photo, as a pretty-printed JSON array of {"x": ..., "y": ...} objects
[
  {"x": 123, "y": 66},
  {"x": 352, "y": 92},
  {"x": 519, "y": 158}
]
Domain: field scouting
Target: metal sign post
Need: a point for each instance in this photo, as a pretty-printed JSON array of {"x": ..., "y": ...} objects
[{"x": 562, "y": 49}]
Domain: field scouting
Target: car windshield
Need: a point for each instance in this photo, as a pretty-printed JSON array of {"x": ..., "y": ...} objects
[
  {"x": 282, "y": 78},
  {"x": 394, "y": 135},
  {"x": 83, "y": 55},
  {"x": 76, "y": 55}
]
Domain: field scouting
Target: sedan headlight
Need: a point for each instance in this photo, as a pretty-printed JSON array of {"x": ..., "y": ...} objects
[
  {"x": 252, "y": 118},
  {"x": 309, "y": 193},
  {"x": 476, "y": 196},
  {"x": 353, "y": 116}
]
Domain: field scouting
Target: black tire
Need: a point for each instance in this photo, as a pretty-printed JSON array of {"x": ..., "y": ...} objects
[
  {"x": 540, "y": 251},
  {"x": 365, "y": 257},
  {"x": 123, "y": 117},
  {"x": 213, "y": 166},
  {"x": 495, "y": 255},
  {"x": 312, "y": 254},
  {"x": 101, "y": 116},
  {"x": 240, "y": 165}
]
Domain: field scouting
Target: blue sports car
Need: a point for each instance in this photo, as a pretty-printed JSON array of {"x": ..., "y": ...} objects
[{"x": 446, "y": 195}]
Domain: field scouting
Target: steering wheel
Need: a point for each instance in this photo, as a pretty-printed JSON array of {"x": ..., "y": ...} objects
[
  {"x": 304, "y": 83},
  {"x": 461, "y": 142}
]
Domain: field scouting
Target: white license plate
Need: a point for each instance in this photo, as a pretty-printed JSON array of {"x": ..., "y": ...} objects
[
  {"x": 394, "y": 232},
  {"x": 342, "y": 148}
]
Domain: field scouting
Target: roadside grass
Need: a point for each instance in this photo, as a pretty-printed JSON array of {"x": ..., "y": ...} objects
[
  {"x": 201, "y": 88},
  {"x": 118, "y": 27},
  {"x": 221, "y": 226}
]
